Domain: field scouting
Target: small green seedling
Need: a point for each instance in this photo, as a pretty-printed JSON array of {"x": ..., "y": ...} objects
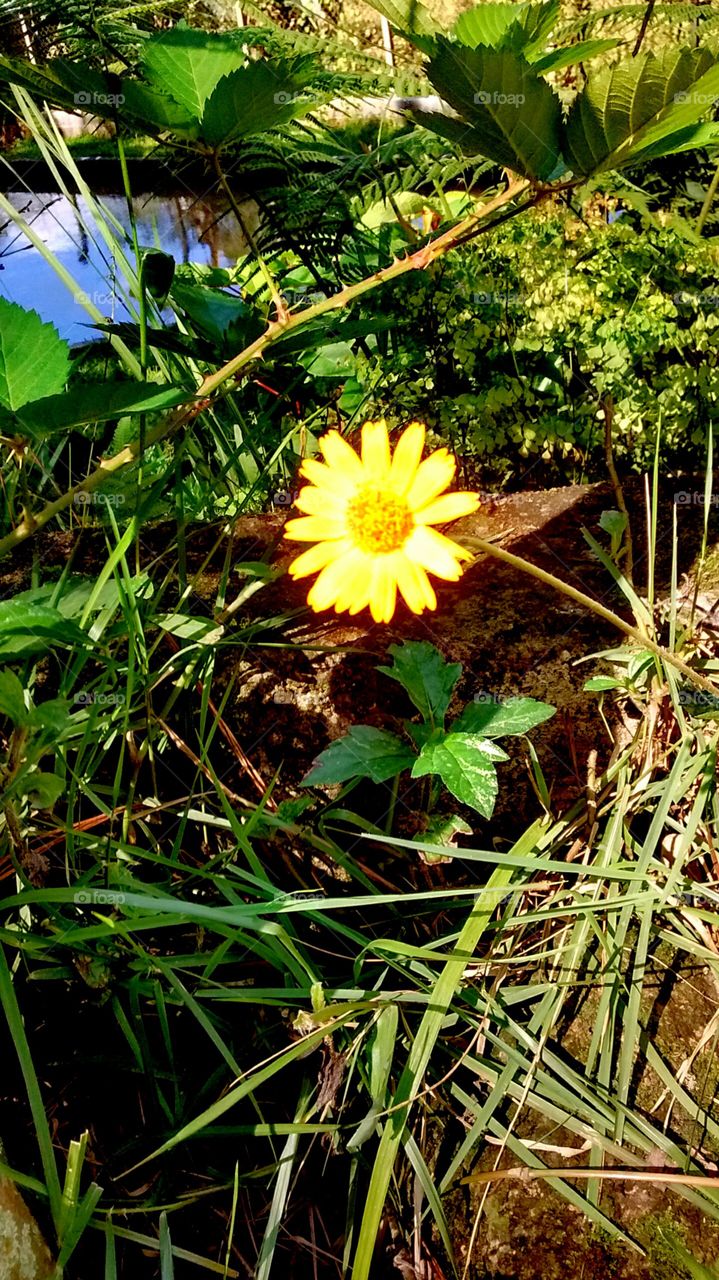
[{"x": 464, "y": 756}]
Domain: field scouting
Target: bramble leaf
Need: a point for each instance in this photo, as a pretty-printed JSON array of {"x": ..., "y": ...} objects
[
  {"x": 466, "y": 766},
  {"x": 188, "y": 64},
  {"x": 647, "y": 107},
  {"x": 34, "y": 360},
  {"x": 364, "y": 752},
  {"x": 500, "y": 719},
  {"x": 512, "y": 113},
  {"x": 429, "y": 680}
]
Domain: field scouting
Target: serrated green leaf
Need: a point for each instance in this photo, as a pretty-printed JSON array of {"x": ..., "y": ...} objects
[
  {"x": 506, "y": 26},
  {"x": 12, "y": 700},
  {"x": 499, "y": 719},
  {"x": 644, "y": 107},
  {"x": 428, "y": 678},
  {"x": 226, "y": 320},
  {"x": 34, "y": 360},
  {"x": 465, "y": 769},
  {"x": 97, "y": 402},
  {"x": 364, "y": 752},
  {"x": 512, "y": 113},
  {"x": 156, "y": 110},
  {"x": 187, "y": 64},
  {"x": 258, "y": 97}
]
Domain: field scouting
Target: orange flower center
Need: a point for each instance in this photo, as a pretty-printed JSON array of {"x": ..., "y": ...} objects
[{"x": 379, "y": 522}]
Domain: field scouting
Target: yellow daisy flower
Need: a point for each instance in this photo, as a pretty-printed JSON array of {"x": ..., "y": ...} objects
[{"x": 371, "y": 519}]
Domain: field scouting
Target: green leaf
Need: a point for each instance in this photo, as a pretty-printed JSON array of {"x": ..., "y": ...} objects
[
  {"x": 158, "y": 269},
  {"x": 409, "y": 16},
  {"x": 336, "y": 360},
  {"x": 34, "y": 360},
  {"x": 12, "y": 700},
  {"x": 188, "y": 64},
  {"x": 42, "y": 789},
  {"x": 98, "y": 402},
  {"x": 27, "y": 628},
  {"x": 506, "y": 26},
  {"x": 256, "y": 98},
  {"x": 91, "y": 90},
  {"x": 512, "y": 113},
  {"x": 466, "y": 768},
  {"x": 187, "y": 627},
  {"x": 382, "y": 1052},
  {"x": 442, "y": 829},
  {"x": 613, "y": 522},
  {"x": 156, "y": 110},
  {"x": 429, "y": 680},
  {"x": 226, "y": 320},
  {"x": 601, "y": 684},
  {"x": 500, "y": 719},
  {"x": 643, "y": 108},
  {"x": 50, "y": 718},
  {"x": 365, "y": 752},
  {"x": 365, "y": 1130},
  {"x": 583, "y": 51},
  {"x": 55, "y": 81}
]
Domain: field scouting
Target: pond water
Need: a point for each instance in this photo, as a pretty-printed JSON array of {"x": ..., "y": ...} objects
[{"x": 191, "y": 229}]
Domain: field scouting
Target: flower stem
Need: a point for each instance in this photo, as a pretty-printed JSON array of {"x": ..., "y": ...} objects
[{"x": 608, "y": 615}]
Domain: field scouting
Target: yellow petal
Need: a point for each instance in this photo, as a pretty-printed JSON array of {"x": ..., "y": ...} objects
[
  {"x": 449, "y": 507},
  {"x": 407, "y": 456},
  {"x": 383, "y": 590},
  {"x": 355, "y": 589},
  {"x": 375, "y": 450},
  {"x": 328, "y": 478},
  {"x": 320, "y": 502},
  {"x": 415, "y": 585},
  {"x": 317, "y": 557},
  {"x": 314, "y": 528},
  {"x": 433, "y": 475},
  {"x": 436, "y": 553},
  {"x": 329, "y": 584},
  {"x": 341, "y": 457}
]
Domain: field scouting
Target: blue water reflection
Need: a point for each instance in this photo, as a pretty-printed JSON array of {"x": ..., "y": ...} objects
[{"x": 191, "y": 230}]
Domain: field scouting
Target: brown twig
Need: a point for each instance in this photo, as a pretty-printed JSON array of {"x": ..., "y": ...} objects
[
  {"x": 643, "y": 29},
  {"x": 524, "y": 1174}
]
